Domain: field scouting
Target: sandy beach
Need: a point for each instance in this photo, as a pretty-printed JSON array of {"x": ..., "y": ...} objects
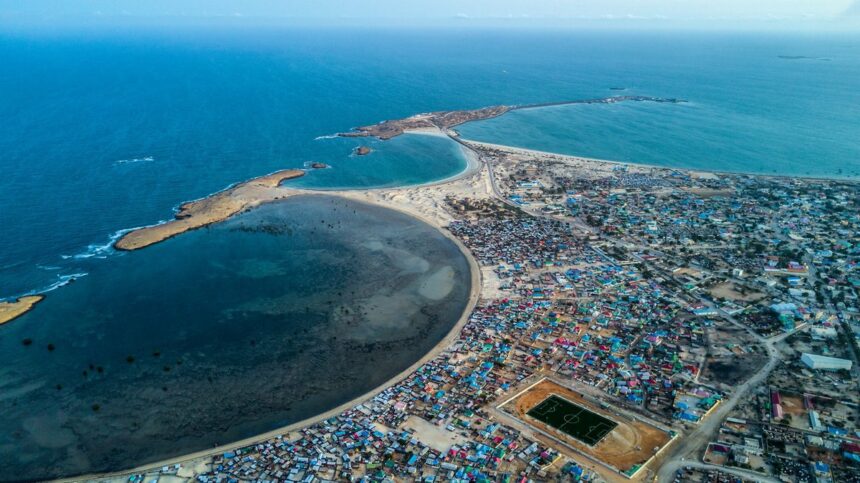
[
  {"x": 605, "y": 165},
  {"x": 248, "y": 194},
  {"x": 212, "y": 209},
  {"x": 13, "y": 310}
]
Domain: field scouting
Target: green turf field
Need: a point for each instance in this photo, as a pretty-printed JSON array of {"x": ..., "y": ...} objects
[{"x": 572, "y": 419}]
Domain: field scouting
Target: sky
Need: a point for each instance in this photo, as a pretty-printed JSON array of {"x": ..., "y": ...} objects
[{"x": 657, "y": 12}]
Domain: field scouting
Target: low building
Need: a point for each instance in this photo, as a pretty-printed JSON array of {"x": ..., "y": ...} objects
[
  {"x": 824, "y": 363},
  {"x": 822, "y": 332}
]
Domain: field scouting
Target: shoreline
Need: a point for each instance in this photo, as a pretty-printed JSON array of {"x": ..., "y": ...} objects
[
  {"x": 476, "y": 282},
  {"x": 574, "y": 157},
  {"x": 261, "y": 191},
  {"x": 392, "y": 128},
  {"x": 473, "y": 165},
  {"x": 12, "y": 309},
  {"x": 210, "y": 209}
]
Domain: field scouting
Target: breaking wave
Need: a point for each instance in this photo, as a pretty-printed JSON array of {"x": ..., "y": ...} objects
[
  {"x": 63, "y": 280},
  {"x": 144, "y": 159},
  {"x": 100, "y": 250}
]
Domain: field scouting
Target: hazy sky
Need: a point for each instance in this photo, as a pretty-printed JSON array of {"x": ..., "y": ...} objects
[{"x": 666, "y": 11}]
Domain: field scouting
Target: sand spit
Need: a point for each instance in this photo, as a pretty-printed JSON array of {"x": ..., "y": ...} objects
[
  {"x": 448, "y": 119},
  {"x": 212, "y": 209},
  {"x": 17, "y": 308},
  {"x": 442, "y": 119}
]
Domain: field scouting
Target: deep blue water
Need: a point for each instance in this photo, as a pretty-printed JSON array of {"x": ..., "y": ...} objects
[
  {"x": 214, "y": 106},
  {"x": 223, "y": 333}
]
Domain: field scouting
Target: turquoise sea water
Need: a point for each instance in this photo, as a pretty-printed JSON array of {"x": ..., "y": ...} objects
[
  {"x": 787, "y": 105},
  {"x": 106, "y": 130},
  {"x": 698, "y": 135}
]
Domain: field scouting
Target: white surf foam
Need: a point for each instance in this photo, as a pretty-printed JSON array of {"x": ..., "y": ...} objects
[
  {"x": 144, "y": 159},
  {"x": 63, "y": 280},
  {"x": 102, "y": 250}
]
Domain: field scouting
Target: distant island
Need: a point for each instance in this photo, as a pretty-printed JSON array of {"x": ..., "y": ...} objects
[
  {"x": 17, "y": 308},
  {"x": 447, "y": 119},
  {"x": 362, "y": 150},
  {"x": 801, "y": 57},
  {"x": 212, "y": 209}
]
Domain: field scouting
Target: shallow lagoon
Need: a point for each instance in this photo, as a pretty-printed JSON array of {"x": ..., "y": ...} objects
[
  {"x": 677, "y": 136},
  {"x": 269, "y": 318}
]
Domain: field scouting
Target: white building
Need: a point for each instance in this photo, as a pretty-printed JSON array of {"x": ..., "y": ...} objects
[
  {"x": 821, "y": 332},
  {"x": 825, "y": 363}
]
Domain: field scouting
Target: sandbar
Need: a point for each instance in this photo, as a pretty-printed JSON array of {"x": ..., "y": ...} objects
[
  {"x": 212, "y": 209},
  {"x": 14, "y": 309},
  {"x": 445, "y": 120}
]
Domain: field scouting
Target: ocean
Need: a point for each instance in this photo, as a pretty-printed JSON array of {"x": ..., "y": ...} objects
[{"x": 105, "y": 130}]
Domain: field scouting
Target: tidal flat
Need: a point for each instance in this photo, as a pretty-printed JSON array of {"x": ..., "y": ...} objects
[{"x": 269, "y": 318}]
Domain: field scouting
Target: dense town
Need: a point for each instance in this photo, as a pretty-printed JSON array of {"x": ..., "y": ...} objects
[{"x": 711, "y": 318}]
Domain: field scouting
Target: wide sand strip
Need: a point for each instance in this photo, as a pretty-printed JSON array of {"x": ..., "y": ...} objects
[
  {"x": 212, "y": 209},
  {"x": 12, "y": 310}
]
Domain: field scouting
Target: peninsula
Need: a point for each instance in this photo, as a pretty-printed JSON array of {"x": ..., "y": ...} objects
[
  {"x": 17, "y": 308},
  {"x": 447, "y": 119},
  {"x": 248, "y": 194},
  {"x": 224, "y": 204},
  {"x": 212, "y": 209}
]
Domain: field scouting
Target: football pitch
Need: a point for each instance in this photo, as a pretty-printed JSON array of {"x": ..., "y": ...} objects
[{"x": 572, "y": 419}]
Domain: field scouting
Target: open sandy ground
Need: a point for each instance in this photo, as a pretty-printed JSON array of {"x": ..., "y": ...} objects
[
  {"x": 211, "y": 209},
  {"x": 16, "y": 308},
  {"x": 632, "y": 442}
]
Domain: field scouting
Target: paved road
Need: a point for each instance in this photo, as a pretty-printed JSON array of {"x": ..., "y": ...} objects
[
  {"x": 750, "y": 475},
  {"x": 704, "y": 432}
]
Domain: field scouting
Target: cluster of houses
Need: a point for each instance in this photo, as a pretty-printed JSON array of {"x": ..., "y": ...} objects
[
  {"x": 612, "y": 282},
  {"x": 779, "y": 256}
]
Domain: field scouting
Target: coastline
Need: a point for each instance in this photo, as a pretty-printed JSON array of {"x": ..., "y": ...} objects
[
  {"x": 242, "y": 196},
  {"x": 207, "y": 211},
  {"x": 238, "y": 197},
  {"x": 11, "y": 310},
  {"x": 473, "y": 165},
  {"x": 476, "y": 284},
  {"x": 573, "y": 157},
  {"x": 392, "y": 128},
  {"x": 211, "y": 209}
]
